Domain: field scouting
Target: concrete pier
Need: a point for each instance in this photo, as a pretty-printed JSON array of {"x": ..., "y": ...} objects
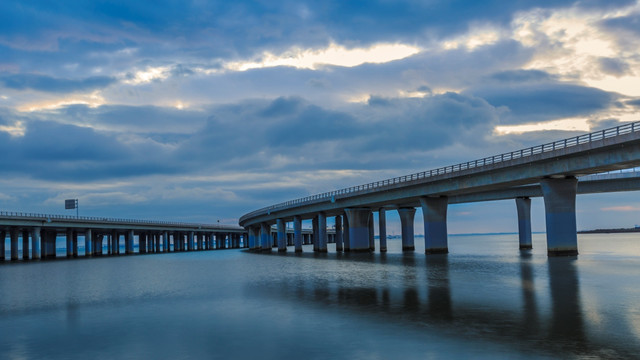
[
  {"x": 407, "y": 216},
  {"x": 560, "y": 214},
  {"x": 49, "y": 244},
  {"x": 345, "y": 233},
  {"x": 128, "y": 242},
  {"x": 165, "y": 242},
  {"x": 358, "y": 222},
  {"x": 372, "y": 238},
  {"x": 190, "y": 241},
  {"x": 35, "y": 243},
  {"x": 322, "y": 232},
  {"x": 314, "y": 233},
  {"x": 25, "y": 244},
  {"x": 297, "y": 233},
  {"x": 523, "y": 206},
  {"x": 382, "y": 229},
  {"x": 69, "y": 243},
  {"x": 282, "y": 235},
  {"x": 265, "y": 237},
  {"x": 3, "y": 235},
  {"x": 434, "y": 211},
  {"x": 88, "y": 245},
  {"x": 13, "y": 232},
  {"x": 339, "y": 237}
]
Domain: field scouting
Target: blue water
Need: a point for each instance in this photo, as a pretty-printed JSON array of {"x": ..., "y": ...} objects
[{"x": 485, "y": 299}]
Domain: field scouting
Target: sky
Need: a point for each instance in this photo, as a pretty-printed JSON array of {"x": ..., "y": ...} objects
[{"x": 202, "y": 111}]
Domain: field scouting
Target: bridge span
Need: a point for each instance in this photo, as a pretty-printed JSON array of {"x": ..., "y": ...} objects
[
  {"x": 550, "y": 170},
  {"x": 102, "y": 236}
]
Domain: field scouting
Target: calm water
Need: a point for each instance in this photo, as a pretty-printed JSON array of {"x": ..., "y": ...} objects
[{"x": 483, "y": 300}]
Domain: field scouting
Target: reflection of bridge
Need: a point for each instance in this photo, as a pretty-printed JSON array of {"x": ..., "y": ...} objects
[
  {"x": 103, "y": 235},
  {"x": 542, "y": 313},
  {"x": 549, "y": 170}
]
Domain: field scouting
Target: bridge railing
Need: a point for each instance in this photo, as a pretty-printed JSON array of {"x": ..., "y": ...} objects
[
  {"x": 491, "y": 160},
  {"x": 46, "y": 217}
]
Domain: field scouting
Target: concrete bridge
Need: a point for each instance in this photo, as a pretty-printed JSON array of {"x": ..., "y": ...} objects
[
  {"x": 102, "y": 236},
  {"x": 549, "y": 170}
]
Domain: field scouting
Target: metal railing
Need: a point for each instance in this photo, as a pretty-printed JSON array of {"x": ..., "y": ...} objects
[
  {"x": 49, "y": 217},
  {"x": 491, "y": 160}
]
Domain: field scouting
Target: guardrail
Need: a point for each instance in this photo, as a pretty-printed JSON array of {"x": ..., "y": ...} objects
[
  {"x": 491, "y": 160},
  {"x": 47, "y": 217}
]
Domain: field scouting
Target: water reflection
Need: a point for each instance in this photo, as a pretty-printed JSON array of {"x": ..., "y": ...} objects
[{"x": 418, "y": 291}]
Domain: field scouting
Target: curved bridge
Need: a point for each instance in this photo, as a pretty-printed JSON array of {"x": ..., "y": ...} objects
[{"x": 549, "y": 170}]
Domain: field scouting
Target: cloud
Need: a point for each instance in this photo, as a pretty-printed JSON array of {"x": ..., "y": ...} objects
[
  {"x": 532, "y": 96},
  {"x": 624, "y": 208},
  {"x": 615, "y": 67},
  {"x": 51, "y": 84}
]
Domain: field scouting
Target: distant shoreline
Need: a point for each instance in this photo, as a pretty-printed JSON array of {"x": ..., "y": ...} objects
[{"x": 610, "y": 231}]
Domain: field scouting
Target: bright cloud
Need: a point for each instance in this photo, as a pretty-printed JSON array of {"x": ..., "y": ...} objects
[
  {"x": 563, "y": 124},
  {"x": 333, "y": 55}
]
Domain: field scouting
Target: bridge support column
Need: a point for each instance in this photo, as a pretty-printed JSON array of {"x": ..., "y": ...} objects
[
  {"x": 35, "y": 243},
  {"x": 128, "y": 242},
  {"x": 407, "y": 216},
  {"x": 524, "y": 222},
  {"x": 97, "y": 244},
  {"x": 13, "y": 233},
  {"x": 282, "y": 235},
  {"x": 434, "y": 211},
  {"x": 49, "y": 245},
  {"x": 165, "y": 241},
  {"x": 372, "y": 234},
  {"x": 339, "y": 237},
  {"x": 69, "y": 242},
  {"x": 322, "y": 232},
  {"x": 265, "y": 237},
  {"x": 190, "y": 241},
  {"x": 358, "y": 221},
  {"x": 382, "y": 229},
  {"x": 297, "y": 233},
  {"x": 314, "y": 233},
  {"x": 560, "y": 213},
  {"x": 3, "y": 236},
  {"x": 88, "y": 243},
  {"x": 25, "y": 244},
  {"x": 345, "y": 233}
]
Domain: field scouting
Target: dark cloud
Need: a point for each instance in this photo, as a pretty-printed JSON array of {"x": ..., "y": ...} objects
[
  {"x": 635, "y": 102},
  {"x": 539, "y": 101},
  {"x": 629, "y": 24},
  {"x": 615, "y": 67},
  {"x": 55, "y": 85},
  {"x": 519, "y": 76}
]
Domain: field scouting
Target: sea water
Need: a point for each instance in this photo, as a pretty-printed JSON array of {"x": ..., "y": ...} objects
[{"x": 485, "y": 299}]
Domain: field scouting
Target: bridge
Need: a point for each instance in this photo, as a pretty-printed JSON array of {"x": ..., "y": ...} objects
[
  {"x": 102, "y": 236},
  {"x": 550, "y": 170}
]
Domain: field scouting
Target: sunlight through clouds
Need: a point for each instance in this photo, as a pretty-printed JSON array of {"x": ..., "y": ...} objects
[
  {"x": 333, "y": 55},
  {"x": 574, "y": 124}
]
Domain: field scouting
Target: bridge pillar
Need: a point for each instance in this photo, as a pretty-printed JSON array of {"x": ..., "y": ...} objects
[
  {"x": 88, "y": 245},
  {"x": 282, "y": 235},
  {"x": 524, "y": 222},
  {"x": 297, "y": 233},
  {"x": 190, "y": 241},
  {"x": 25, "y": 244},
  {"x": 339, "y": 238},
  {"x": 48, "y": 250},
  {"x": 14, "y": 234},
  {"x": 69, "y": 242},
  {"x": 3, "y": 236},
  {"x": 252, "y": 238},
  {"x": 382, "y": 229},
  {"x": 265, "y": 237},
  {"x": 407, "y": 216},
  {"x": 358, "y": 221},
  {"x": 97, "y": 244},
  {"x": 165, "y": 241},
  {"x": 345, "y": 233},
  {"x": 35, "y": 242},
  {"x": 322, "y": 232},
  {"x": 314, "y": 233},
  {"x": 128, "y": 242},
  {"x": 372, "y": 238},
  {"x": 560, "y": 213},
  {"x": 434, "y": 211}
]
